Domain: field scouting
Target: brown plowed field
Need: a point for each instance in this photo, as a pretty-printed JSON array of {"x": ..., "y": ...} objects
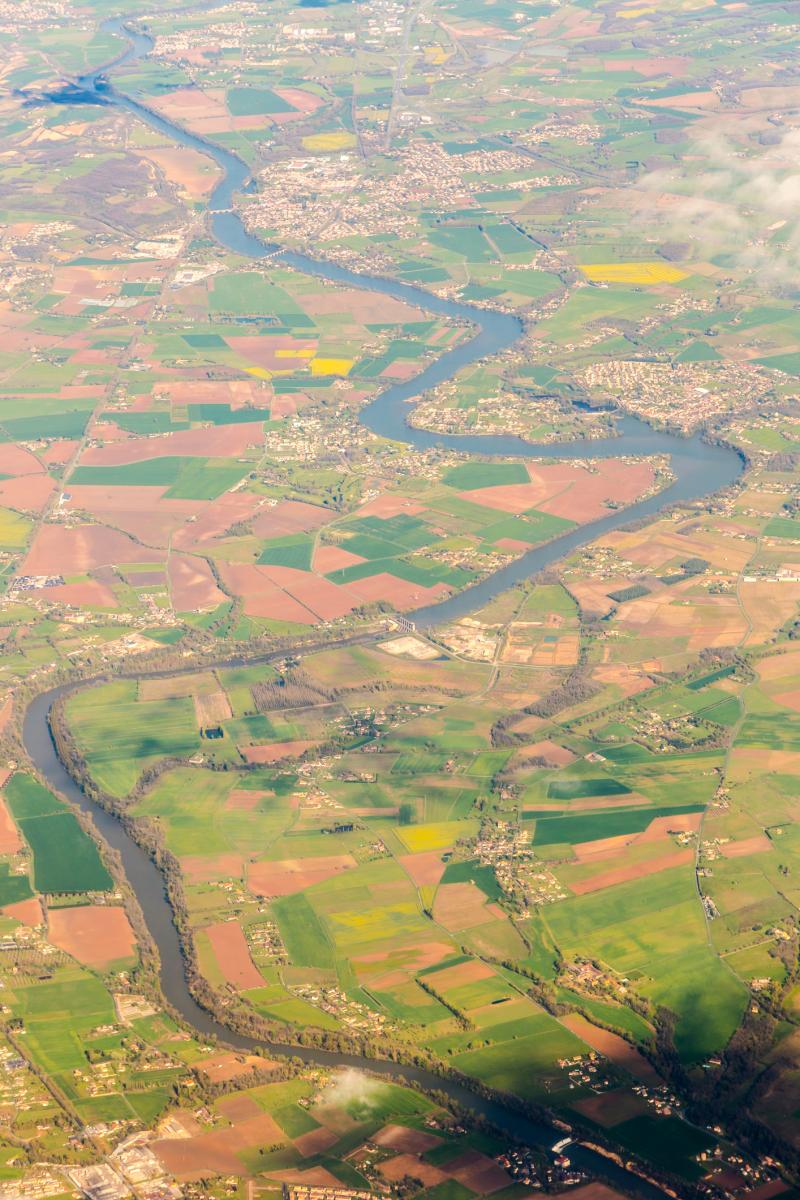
[
  {"x": 462, "y": 973},
  {"x": 233, "y": 955},
  {"x": 238, "y": 1108},
  {"x": 560, "y": 756},
  {"x": 94, "y": 934},
  {"x": 58, "y": 550},
  {"x": 598, "y": 1191},
  {"x": 212, "y": 709},
  {"x": 623, "y": 874},
  {"x": 192, "y": 585},
  {"x": 662, "y": 826},
  {"x": 303, "y": 101},
  {"x": 327, "y": 600},
  {"x": 479, "y": 1173},
  {"x": 409, "y": 1141},
  {"x": 711, "y": 622},
  {"x": 612, "y": 1107},
  {"x": 513, "y": 498},
  {"x": 90, "y": 594},
  {"x": 396, "y": 591},
  {"x": 10, "y": 840},
  {"x": 214, "y": 519},
  {"x": 274, "y": 752},
  {"x": 460, "y": 906},
  {"x": 236, "y": 392},
  {"x": 27, "y": 912},
  {"x": 757, "y": 844},
  {"x": 315, "y": 1141},
  {"x": 395, "y": 1169},
  {"x": 29, "y": 493},
  {"x": 659, "y": 543},
  {"x": 410, "y": 959},
  {"x": 587, "y": 499},
  {"x": 590, "y": 803},
  {"x": 778, "y": 665},
  {"x": 215, "y": 1152},
  {"x": 602, "y": 848},
  {"x": 568, "y": 491},
  {"x": 294, "y": 875},
  {"x": 673, "y": 65},
  {"x": 333, "y": 558},
  {"x": 615, "y": 1048},
  {"x": 291, "y": 516},
  {"x": 222, "y": 1067},
  {"x": 58, "y": 452},
  {"x": 366, "y": 307},
  {"x": 264, "y": 352},
  {"x": 307, "y": 1176},
  {"x": 390, "y": 506},
  {"x": 187, "y": 169},
  {"x": 262, "y": 597},
  {"x": 16, "y": 460},
  {"x": 217, "y": 441},
  {"x": 140, "y": 511},
  {"x": 199, "y": 868},
  {"x": 401, "y": 370},
  {"x": 424, "y": 869}
]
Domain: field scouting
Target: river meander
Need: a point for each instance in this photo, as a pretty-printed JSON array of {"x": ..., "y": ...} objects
[{"x": 699, "y": 469}]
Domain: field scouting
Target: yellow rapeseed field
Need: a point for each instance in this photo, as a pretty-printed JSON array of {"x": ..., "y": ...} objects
[
  {"x": 329, "y": 141},
  {"x": 633, "y": 272},
  {"x": 14, "y": 529},
  {"x": 436, "y": 55},
  {"x": 331, "y": 366},
  {"x": 434, "y": 835}
]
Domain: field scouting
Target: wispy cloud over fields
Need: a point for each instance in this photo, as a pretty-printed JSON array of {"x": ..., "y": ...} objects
[{"x": 733, "y": 198}]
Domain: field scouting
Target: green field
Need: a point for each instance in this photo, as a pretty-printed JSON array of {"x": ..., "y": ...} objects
[
  {"x": 473, "y": 872},
  {"x": 577, "y": 789},
  {"x": 302, "y": 932},
  {"x": 184, "y": 478},
  {"x": 65, "y": 859},
  {"x": 470, "y": 476},
  {"x": 591, "y": 826},
  {"x": 247, "y": 102},
  {"x": 120, "y": 735},
  {"x": 13, "y": 887},
  {"x": 288, "y": 552},
  {"x": 526, "y": 1065},
  {"x": 58, "y": 1014}
]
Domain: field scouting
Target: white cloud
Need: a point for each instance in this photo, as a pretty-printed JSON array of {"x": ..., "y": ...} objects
[{"x": 728, "y": 197}]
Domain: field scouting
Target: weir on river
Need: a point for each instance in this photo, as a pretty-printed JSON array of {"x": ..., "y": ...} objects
[{"x": 699, "y": 469}]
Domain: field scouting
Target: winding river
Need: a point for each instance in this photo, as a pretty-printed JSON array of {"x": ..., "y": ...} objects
[{"x": 699, "y": 470}]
